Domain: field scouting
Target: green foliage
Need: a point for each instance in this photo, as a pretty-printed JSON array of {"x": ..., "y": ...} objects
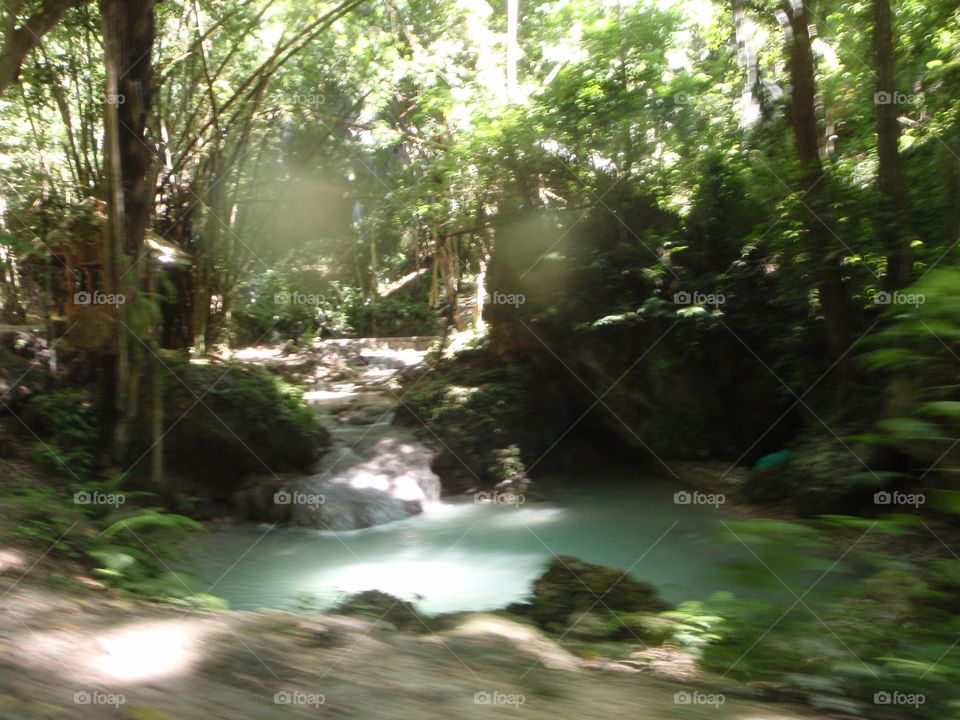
[
  {"x": 508, "y": 464},
  {"x": 868, "y": 621},
  {"x": 914, "y": 357},
  {"x": 45, "y": 517},
  {"x": 131, "y": 549},
  {"x": 66, "y": 422},
  {"x": 135, "y": 553},
  {"x": 392, "y": 317}
]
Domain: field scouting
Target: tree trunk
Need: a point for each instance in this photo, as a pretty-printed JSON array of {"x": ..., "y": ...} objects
[
  {"x": 513, "y": 48},
  {"x": 825, "y": 249},
  {"x": 128, "y": 33},
  {"x": 893, "y": 221}
]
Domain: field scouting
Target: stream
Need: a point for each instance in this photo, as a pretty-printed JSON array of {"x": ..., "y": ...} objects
[{"x": 457, "y": 555}]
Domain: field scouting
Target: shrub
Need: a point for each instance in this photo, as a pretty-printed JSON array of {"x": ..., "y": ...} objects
[{"x": 66, "y": 421}]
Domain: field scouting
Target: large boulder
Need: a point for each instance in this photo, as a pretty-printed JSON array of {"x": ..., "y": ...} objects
[
  {"x": 322, "y": 505},
  {"x": 347, "y": 490},
  {"x": 225, "y": 421}
]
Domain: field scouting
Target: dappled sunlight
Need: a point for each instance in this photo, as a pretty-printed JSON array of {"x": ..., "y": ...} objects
[
  {"x": 148, "y": 651},
  {"x": 523, "y": 637},
  {"x": 257, "y": 353},
  {"x": 11, "y": 560},
  {"x": 137, "y": 652}
]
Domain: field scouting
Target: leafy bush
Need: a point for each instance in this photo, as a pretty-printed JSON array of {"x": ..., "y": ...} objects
[
  {"x": 131, "y": 549},
  {"x": 392, "y": 317},
  {"x": 915, "y": 357},
  {"x": 66, "y": 421},
  {"x": 870, "y": 623},
  {"x": 46, "y": 517},
  {"x": 294, "y": 294},
  {"x": 135, "y": 553}
]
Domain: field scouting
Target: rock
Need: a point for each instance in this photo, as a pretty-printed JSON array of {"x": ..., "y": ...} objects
[
  {"x": 388, "y": 611},
  {"x": 398, "y": 468},
  {"x": 323, "y": 505},
  {"x": 588, "y": 626},
  {"x": 570, "y": 585},
  {"x": 245, "y": 421}
]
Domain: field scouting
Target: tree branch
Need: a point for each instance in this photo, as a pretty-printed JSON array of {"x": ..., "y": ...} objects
[{"x": 22, "y": 40}]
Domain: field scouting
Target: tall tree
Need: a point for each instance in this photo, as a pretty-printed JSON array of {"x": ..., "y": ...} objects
[
  {"x": 825, "y": 250},
  {"x": 893, "y": 222},
  {"x": 128, "y": 32}
]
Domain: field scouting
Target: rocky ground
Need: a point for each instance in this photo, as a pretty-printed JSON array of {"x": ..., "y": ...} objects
[{"x": 78, "y": 653}]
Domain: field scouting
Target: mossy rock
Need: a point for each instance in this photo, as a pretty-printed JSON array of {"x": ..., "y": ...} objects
[
  {"x": 597, "y": 626},
  {"x": 648, "y": 628},
  {"x": 227, "y": 420},
  {"x": 571, "y": 586},
  {"x": 383, "y": 608}
]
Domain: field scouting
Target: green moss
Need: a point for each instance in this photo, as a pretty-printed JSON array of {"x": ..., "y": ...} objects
[
  {"x": 382, "y": 608},
  {"x": 571, "y": 587},
  {"x": 226, "y": 420}
]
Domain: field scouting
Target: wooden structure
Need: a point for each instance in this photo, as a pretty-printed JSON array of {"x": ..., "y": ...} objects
[{"x": 79, "y": 303}]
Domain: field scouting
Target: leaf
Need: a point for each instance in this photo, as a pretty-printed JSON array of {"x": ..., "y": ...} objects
[
  {"x": 943, "y": 408},
  {"x": 912, "y": 429}
]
